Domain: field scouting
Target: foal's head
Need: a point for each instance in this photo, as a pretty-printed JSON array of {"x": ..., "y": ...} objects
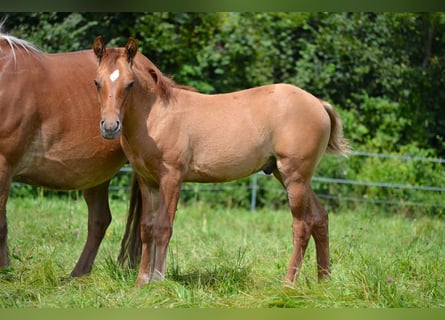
[{"x": 114, "y": 81}]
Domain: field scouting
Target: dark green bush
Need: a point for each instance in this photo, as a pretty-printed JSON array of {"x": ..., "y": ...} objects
[{"x": 382, "y": 71}]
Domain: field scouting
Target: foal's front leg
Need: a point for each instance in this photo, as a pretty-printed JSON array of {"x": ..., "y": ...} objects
[
  {"x": 158, "y": 212},
  {"x": 150, "y": 209},
  {"x": 170, "y": 187}
]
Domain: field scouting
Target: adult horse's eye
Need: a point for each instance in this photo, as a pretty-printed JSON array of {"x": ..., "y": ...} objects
[{"x": 97, "y": 84}]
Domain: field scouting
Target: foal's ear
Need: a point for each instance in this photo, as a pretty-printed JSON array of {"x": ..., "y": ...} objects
[
  {"x": 99, "y": 47},
  {"x": 131, "y": 48}
]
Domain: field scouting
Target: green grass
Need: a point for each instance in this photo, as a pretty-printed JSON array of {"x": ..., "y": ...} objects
[{"x": 224, "y": 258}]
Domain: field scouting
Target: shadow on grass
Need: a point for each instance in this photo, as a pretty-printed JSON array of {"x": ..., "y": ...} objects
[
  {"x": 219, "y": 278},
  {"x": 230, "y": 275}
]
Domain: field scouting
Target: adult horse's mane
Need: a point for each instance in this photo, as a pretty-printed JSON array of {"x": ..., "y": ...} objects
[{"x": 16, "y": 43}]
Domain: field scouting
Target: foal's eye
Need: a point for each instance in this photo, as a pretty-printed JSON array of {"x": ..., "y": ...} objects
[
  {"x": 130, "y": 85},
  {"x": 97, "y": 84}
]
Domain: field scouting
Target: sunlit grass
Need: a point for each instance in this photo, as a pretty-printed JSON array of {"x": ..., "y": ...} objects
[{"x": 224, "y": 258}]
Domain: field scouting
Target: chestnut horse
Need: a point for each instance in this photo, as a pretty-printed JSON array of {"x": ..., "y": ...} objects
[
  {"x": 171, "y": 135},
  {"x": 49, "y": 134}
]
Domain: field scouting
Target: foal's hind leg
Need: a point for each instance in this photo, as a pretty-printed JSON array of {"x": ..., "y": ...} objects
[
  {"x": 99, "y": 218},
  {"x": 320, "y": 233},
  {"x": 316, "y": 223},
  {"x": 297, "y": 192},
  {"x": 301, "y": 226}
]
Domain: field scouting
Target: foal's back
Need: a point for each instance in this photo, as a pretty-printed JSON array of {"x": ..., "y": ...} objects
[{"x": 228, "y": 136}]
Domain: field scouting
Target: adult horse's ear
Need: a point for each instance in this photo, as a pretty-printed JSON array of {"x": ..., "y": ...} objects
[
  {"x": 131, "y": 48},
  {"x": 99, "y": 47}
]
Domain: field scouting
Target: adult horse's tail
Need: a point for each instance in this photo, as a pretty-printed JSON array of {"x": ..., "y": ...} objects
[
  {"x": 131, "y": 242},
  {"x": 337, "y": 143}
]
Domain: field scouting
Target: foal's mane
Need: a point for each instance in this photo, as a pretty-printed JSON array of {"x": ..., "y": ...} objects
[{"x": 164, "y": 84}]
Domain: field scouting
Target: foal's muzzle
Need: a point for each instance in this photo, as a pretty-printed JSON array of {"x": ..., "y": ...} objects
[{"x": 110, "y": 130}]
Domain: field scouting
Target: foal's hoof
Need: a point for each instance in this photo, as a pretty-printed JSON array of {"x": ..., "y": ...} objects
[
  {"x": 141, "y": 281},
  {"x": 288, "y": 285},
  {"x": 155, "y": 276}
]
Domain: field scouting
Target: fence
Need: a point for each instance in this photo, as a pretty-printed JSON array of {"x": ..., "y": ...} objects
[
  {"x": 343, "y": 197},
  {"x": 254, "y": 188}
]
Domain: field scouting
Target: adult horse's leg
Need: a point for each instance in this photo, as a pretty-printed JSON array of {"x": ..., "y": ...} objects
[
  {"x": 5, "y": 185},
  {"x": 99, "y": 218},
  {"x": 320, "y": 233}
]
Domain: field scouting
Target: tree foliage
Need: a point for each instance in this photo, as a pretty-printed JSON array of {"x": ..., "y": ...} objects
[{"x": 383, "y": 71}]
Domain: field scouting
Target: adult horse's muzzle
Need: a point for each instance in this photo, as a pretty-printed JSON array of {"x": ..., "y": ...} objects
[{"x": 110, "y": 129}]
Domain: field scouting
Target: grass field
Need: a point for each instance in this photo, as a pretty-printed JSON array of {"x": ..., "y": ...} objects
[{"x": 225, "y": 258}]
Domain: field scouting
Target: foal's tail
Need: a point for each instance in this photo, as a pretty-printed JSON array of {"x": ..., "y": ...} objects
[
  {"x": 131, "y": 242},
  {"x": 337, "y": 143}
]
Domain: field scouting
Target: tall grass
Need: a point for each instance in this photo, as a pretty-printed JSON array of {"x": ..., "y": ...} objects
[{"x": 224, "y": 258}]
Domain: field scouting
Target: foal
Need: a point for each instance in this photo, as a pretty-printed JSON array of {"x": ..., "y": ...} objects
[{"x": 171, "y": 135}]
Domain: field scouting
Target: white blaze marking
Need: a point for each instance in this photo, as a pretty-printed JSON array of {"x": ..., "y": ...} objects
[{"x": 114, "y": 75}]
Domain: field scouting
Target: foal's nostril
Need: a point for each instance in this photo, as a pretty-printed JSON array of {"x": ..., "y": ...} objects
[
  {"x": 110, "y": 130},
  {"x": 110, "y": 126}
]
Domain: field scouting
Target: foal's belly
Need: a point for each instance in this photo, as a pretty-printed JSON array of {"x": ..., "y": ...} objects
[
  {"x": 223, "y": 169},
  {"x": 226, "y": 155}
]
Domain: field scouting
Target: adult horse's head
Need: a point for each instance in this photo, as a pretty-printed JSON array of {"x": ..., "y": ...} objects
[{"x": 114, "y": 81}]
